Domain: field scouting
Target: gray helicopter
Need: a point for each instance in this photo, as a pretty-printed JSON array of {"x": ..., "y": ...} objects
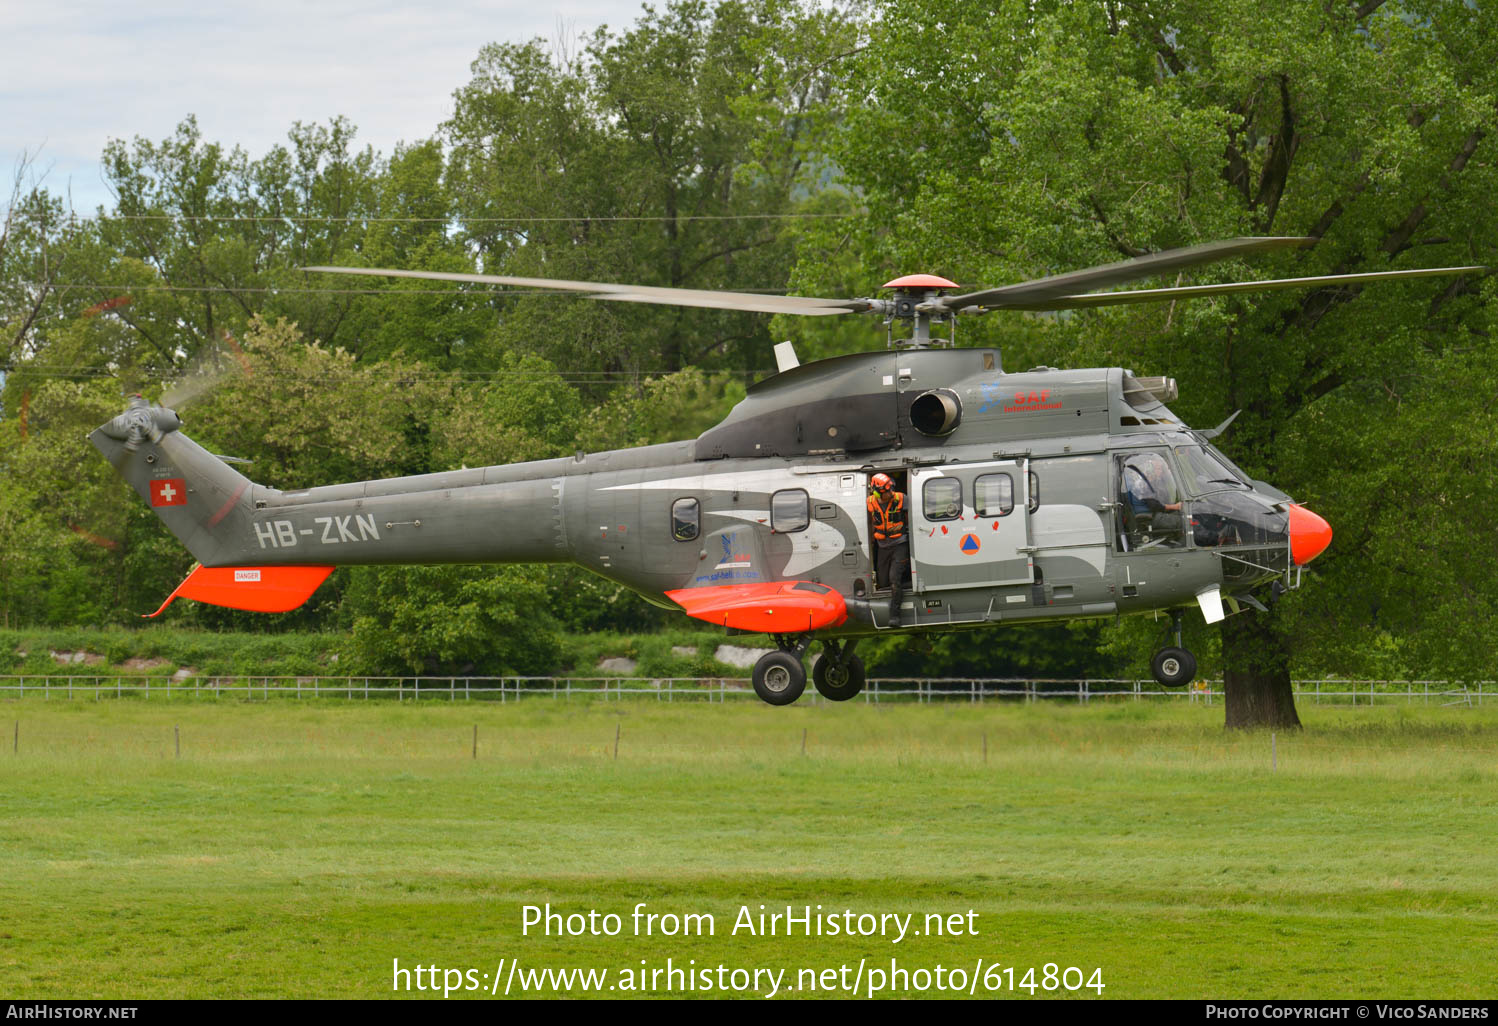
[{"x": 1041, "y": 496}]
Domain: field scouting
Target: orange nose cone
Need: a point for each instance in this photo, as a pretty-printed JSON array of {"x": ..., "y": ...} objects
[{"x": 1309, "y": 535}]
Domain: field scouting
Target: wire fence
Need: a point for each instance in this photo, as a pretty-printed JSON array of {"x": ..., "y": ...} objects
[{"x": 711, "y": 689}]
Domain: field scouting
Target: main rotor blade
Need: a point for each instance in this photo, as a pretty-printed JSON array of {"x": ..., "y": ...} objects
[
  {"x": 1025, "y": 294},
  {"x": 805, "y": 305},
  {"x": 1186, "y": 291}
]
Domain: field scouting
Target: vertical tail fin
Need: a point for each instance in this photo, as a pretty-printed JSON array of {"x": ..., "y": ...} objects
[{"x": 202, "y": 500}]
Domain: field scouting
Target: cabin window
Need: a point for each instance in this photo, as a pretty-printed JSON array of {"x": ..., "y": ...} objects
[
  {"x": 993, "y": 495},
  {"x": 941, "y": 498},
  {"x": 686, "y": 519},
  {"x": 790, "y": 510},
  {"x": 1033, "y": 503}
]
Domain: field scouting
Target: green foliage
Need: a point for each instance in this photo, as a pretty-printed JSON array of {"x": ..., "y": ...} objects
[
  {"x": 487, "y": 621},
  {"x": 663, "y": 155},
  {"x": 1067, "y": 651},
  {"x": 158, "y": 651},
  {"x": 308, "y": 415},
  {"x": 527, "y": 412},
  {"x": 663, "y": 409}
]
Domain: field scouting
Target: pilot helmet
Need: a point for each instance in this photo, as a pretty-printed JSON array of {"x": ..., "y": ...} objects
[{"x": 882, "y": 482}]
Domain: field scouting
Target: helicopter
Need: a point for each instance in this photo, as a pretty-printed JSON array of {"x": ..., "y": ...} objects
[{"x": 1038, "y": 496}]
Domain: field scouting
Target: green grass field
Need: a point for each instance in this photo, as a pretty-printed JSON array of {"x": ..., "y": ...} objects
[{"x": 299, "y": 849}]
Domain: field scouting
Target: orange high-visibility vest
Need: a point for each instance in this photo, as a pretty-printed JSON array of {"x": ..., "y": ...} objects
[{"x": 889, "y": 523}]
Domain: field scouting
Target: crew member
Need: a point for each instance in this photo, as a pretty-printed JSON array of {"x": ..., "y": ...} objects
[
  {"x": 887, "y": 511},
  {"x": 1150, "y": 491}
]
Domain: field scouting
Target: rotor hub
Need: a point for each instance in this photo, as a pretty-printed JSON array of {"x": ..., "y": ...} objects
[{"x": 915, "y": 301}]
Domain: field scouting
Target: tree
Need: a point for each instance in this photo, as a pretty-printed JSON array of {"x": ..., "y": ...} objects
[
  {"x": 438, "y": 620},
  {"x": 1001, "y": 144},
  {"x": 665, "y": 155}
]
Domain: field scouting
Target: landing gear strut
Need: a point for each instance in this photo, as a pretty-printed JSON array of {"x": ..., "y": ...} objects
[
  {"x": 780, "y": 677},
  {"x": 838, "y": 673},
  {"x": 1173, "y": 665}
]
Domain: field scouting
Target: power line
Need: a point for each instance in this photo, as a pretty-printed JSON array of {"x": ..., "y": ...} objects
[
  {"x": 592, "y": 375},
  {"x": 456, "y": 221}
]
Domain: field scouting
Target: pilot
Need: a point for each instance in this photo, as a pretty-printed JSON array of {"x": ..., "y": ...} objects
[
  {"x": 1153, "y": 506},
  {"x": 887, "y": 511},
  {"x": 1149, "y": 485}
]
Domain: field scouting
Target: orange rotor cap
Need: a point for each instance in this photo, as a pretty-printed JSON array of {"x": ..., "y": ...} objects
[
  {"x": 1309, "y": 535},
  {"x": 920, "y": 281}
]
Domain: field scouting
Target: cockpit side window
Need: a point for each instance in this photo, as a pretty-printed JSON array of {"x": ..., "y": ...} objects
[{"x": 1149, "y": 503}]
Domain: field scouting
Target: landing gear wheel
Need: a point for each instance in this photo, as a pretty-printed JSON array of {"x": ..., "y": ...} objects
[
  {"x": 779, "y": 678},
  {"x": 837, "y": 680},
  {"x": 1173, "y": 667}
]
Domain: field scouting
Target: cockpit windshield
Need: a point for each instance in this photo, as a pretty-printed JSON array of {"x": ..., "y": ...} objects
[{"x": 1205, "y": 473}]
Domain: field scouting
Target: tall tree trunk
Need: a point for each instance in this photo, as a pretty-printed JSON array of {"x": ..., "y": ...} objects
[{"x": 1256, "y": 680}]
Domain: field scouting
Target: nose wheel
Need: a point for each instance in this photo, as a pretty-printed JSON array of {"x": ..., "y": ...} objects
[{"x": 1173, "y": 665}]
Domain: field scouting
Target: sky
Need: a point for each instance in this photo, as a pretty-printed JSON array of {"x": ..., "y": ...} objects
[{"x": 76, "y": 73}]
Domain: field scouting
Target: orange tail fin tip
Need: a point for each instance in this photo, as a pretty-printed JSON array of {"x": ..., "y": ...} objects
[{"x": 259, "y": 589}]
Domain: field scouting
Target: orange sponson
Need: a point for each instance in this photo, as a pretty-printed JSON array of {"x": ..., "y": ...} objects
[
  {"x": 773, "y": 607},
  {"x": 260, "y": 589}
]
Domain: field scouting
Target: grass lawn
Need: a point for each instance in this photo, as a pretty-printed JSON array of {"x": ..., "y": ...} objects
[{"x": 300, "y": 849}]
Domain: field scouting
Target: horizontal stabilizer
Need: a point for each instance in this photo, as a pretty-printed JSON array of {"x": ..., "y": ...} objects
[
  {"x": 259, "y": 589},
  {"x": 772, "y": 607}
]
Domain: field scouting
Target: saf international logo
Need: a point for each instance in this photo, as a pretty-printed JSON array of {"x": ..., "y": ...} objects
[
  {"x": 170, "y": 491},
  {"x": 1016, "y": 402},
  {"x": 969, "y": 544},
  {"x": 731, "y": 559},
  {"x": 1031, "y": 401}
]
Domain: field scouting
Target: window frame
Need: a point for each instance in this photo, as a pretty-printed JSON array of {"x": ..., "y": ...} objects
[
  {"x": 926, "y": 490},
  {"x": 696, "y": 522},
  {"x": 805, "y": 511},
  {"x": 1007, "y": 506}
]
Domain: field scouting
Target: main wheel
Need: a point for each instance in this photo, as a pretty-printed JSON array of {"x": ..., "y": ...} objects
[
  {"x": 837, "y": 681},
  {"x": 779, "y": 678},
  {"x": 1173, "y": 667}
]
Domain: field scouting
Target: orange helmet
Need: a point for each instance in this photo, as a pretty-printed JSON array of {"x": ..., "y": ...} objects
[{"x": 882, "y": 482}]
